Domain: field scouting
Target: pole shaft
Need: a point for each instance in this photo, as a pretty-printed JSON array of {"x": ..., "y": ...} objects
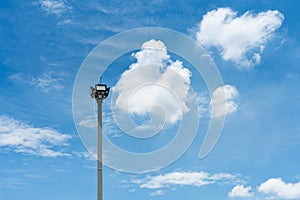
[{"x": 99, "y": 154}]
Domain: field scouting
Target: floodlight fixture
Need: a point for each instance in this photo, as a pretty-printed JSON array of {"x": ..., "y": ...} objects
[{"x": 99, "y": 92}]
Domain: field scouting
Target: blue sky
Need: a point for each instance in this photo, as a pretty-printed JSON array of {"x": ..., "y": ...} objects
[{"x": 255, "y": 46}]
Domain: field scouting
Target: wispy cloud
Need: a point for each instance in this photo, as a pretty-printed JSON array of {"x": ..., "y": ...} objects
[
  {"x": 108, "y": 121},
  {"x": 84, "y": 154},
  {"x": 240, "y": 39},
  {"x": 170, "y": 180},
  {"x": 20, "y": 137},
  {"x": 56, "y": 7},
  {"x": 222, "y": 101},
  {"x": 46, "y": 82},
  {"x": 88, "y": 122},
  {"x": 157, "y": 193},
  {"x": 241, "y": 191},
  {"x": 13, "y": 183}
]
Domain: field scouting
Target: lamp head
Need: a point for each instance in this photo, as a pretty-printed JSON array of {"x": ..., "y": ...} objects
[{"x": 100, "y": 91}]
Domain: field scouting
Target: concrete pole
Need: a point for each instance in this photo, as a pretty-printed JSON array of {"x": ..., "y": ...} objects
[{"x": 99, "y": 155}]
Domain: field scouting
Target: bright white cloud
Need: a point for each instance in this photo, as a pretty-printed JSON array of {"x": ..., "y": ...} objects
[
  {"x": 198, "y": 179},
  {"x": 222, "y": 101},
  {"x": 241, "y": 191},
  {"x": 23, "y": 138},
  {"x": 279, "y": 189},
  {"x": 240, "y": 39},
  {"x": 154, "y": 80},
  {"x": 53, "y": 6}
]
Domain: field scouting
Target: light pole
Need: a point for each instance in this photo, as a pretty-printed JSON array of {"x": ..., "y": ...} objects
[{"x": 99, "y": 92}]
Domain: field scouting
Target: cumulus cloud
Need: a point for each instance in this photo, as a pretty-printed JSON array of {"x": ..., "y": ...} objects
[
  {"x": 280, "y": 189},
  {"x": 154, "y": 80},
  {"x": 197, "y": 179},
  {"x": 222, "y": 101},
  {"x": 240, "y": 39},
  {"x": 23, "y": 138},
  {"x": 53, "y": 6},
  {"x": 241, "y": 191}
]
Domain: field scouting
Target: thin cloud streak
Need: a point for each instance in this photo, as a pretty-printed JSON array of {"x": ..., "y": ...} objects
[
  {"x": 46, "y": 82},
  {"x": 172, "y": 179}
]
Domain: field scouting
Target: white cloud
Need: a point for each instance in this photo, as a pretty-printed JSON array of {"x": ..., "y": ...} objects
[
  {"x": 88, "y": 122},
  {"x": 279, "y": 189},
  {"x": 241, "y": 191},
  {"x": 53, "y": 7},
  {"x": 111, "y": 128},
  {"x": 222, "y": 101},
  {"x": 45, "y": 83},
  {"x": 154, "y": 80},
  {"x": 157, "y": 193},
  {"x": 203, "y": 101},
  {"x": 197, "y": 179},
  {"x": 84, "y": 154},
  {"x": 240, "y": 39},
  {"x": 23, "y": 138}
]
